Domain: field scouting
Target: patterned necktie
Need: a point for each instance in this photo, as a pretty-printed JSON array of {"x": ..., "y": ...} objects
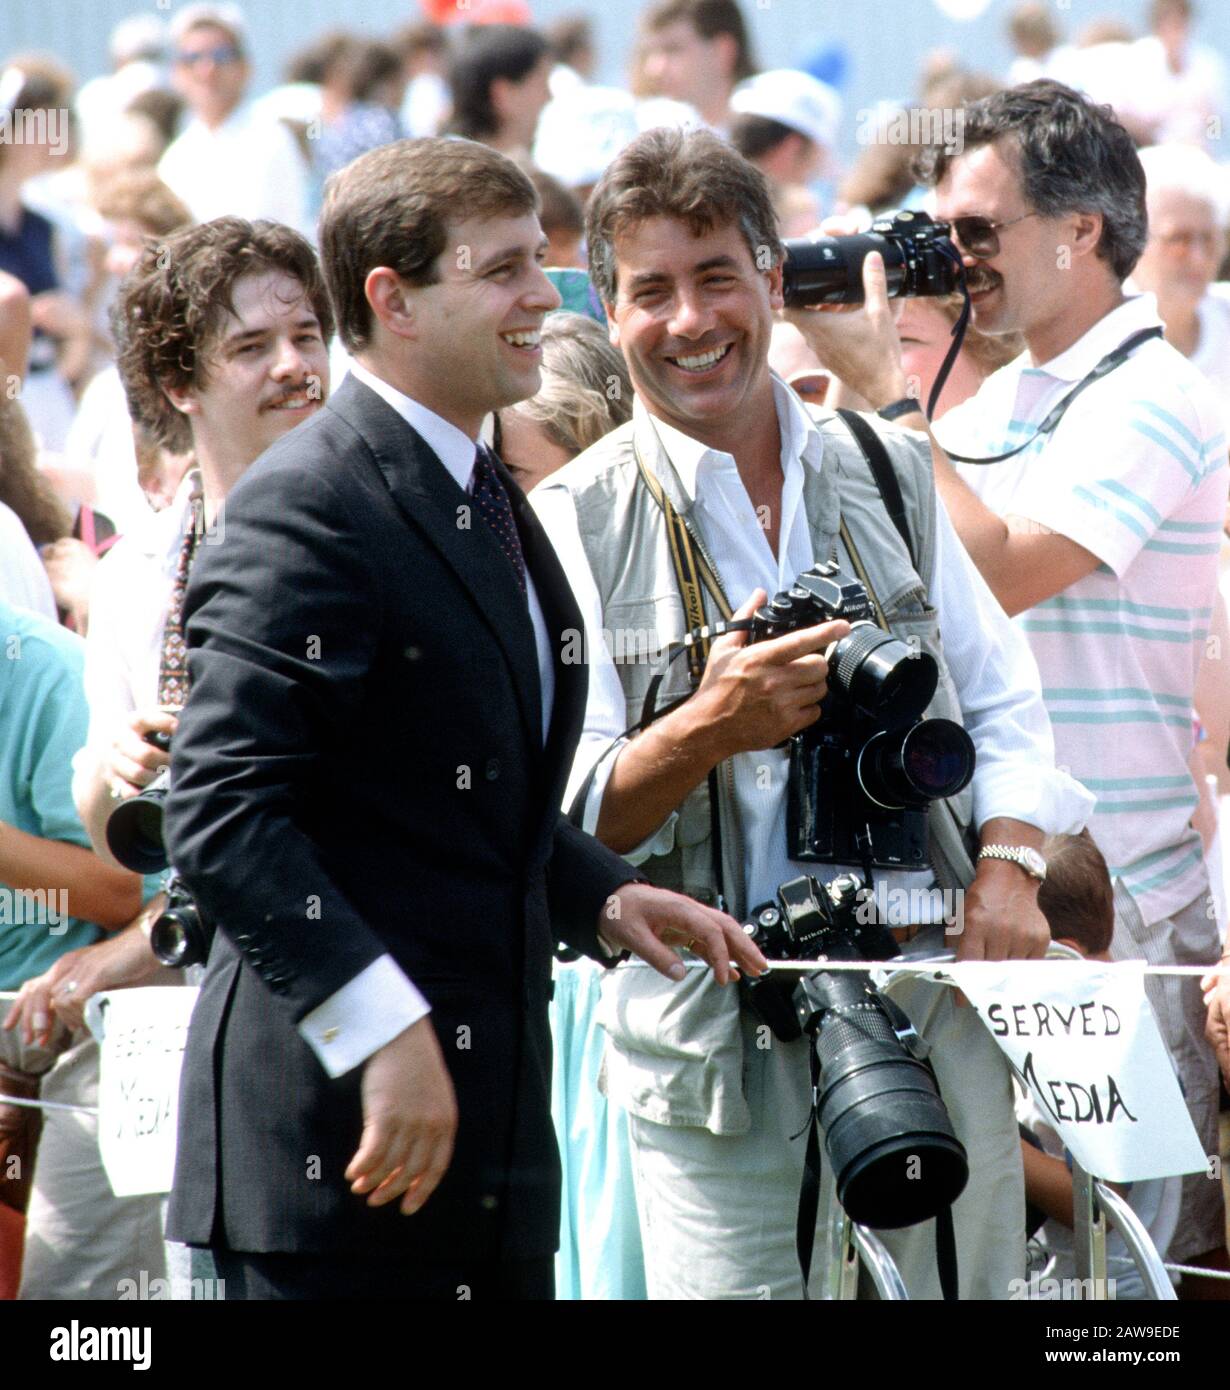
[
  {"x": 492, "y": 504},
  {"x": 173, "y": 666}
]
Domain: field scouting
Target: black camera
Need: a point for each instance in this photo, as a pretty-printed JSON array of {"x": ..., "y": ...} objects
[
  {"x": 895, "y": 1155},
  {"x": 861, "y": 778},
  {"x": 919, "y": 255},
  {"x": 180, "y": 936}
]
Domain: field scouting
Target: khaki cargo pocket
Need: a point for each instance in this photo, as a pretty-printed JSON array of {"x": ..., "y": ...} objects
[{"x": 676, "y": 1050}]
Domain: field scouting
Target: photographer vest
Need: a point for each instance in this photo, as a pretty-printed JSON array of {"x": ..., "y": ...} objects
[{"x": 690, "y": 1074}]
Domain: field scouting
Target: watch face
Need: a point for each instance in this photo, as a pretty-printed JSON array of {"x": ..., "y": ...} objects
[{"x": 1034, "y": 862}]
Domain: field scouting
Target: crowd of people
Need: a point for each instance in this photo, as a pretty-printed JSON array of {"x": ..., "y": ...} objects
[{"x": 517, "y": 359}]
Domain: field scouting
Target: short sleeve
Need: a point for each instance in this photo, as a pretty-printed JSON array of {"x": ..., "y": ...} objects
[{"x": 1108, "y": 479}]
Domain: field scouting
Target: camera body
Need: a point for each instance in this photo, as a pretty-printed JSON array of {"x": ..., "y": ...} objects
[
  {"x": 895, "y": 1155},
  {"x": 919, "y": 256},
  {"x": 862, "y": 777},
  {"x": 180, "y": 935}
]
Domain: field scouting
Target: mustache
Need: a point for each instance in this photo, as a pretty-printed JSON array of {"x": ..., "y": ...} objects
[
  {"x": 290, "y": 394},
  {"x": 978, "y": 280}
]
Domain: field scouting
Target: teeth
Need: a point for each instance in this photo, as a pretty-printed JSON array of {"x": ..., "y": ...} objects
[
  {"x": 522, "y": 339},
  {"x": 291, "y": 403},
  {"x": 703, "y": 361}
]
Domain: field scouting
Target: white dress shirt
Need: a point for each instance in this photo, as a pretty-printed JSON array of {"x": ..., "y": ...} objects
[
  {"x": 381, "y": 1002},
  {"x": 249, "y": 166},
  {"x": 23, "y": 579},
  {"x": 991, "y": 666}
]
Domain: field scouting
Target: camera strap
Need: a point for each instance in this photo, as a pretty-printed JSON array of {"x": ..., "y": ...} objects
[
  {"x": 1116, "y": 358},
  {"x": 885, "y": 475}
]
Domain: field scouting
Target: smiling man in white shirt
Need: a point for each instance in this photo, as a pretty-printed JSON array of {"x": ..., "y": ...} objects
[
  {"x": 231, "y": 159},
  {"x": 685, "y": 253}
]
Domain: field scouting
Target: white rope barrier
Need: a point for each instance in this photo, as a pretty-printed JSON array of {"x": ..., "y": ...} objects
[
  {"x": 47, "y": 1104},
  {"x": 936, "y": 969}
]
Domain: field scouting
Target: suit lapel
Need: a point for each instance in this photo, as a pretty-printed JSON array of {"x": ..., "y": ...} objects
[{"x": 442, "y": 512}]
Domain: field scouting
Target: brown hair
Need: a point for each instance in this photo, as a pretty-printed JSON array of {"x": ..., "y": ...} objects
[
  {"x": 692, "y": 175},
  {"x": 586, "y": 391},
  {"x": 560, "y": 209},
  {"x": 171, "y": 306},
  {"x": 1077, "y": 898},
  {"x": 394, "y": 206},
  {"x": 22, "y": 486},
  {"x": 709, "y": 18},
  {"x": 140, "y": 196}
]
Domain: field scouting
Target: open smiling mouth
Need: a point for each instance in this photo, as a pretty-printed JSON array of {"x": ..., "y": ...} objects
[
  {"x": 527, "y": 341},
  {"x": 700, "y": 362}
]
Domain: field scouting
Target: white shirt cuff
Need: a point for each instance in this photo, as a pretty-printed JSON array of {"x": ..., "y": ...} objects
[
  {"x": 662, "y": 841},
  {"x": 367, "y": 1012}
]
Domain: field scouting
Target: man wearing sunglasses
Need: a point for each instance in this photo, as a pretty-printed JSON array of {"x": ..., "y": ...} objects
[
  {"x": 1098, "y": 533},
  {"x": 230, "y": 160}
]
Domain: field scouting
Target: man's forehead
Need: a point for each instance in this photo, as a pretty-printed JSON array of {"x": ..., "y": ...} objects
[
  {"x": 981, "y": 177},
  {"x": 652, "y": 241},
  {"x": 483, "y": 237},
  {"x": 262, "y": 299}
]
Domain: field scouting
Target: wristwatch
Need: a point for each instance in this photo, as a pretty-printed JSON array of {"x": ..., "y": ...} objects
[{"x": 1028, "y": 859}]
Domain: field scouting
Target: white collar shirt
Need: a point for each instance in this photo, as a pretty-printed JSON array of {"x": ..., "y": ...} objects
[{"x": 991, "y": 666}]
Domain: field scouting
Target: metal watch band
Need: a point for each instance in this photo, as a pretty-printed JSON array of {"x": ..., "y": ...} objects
[{"x": 1020, "y": 855}]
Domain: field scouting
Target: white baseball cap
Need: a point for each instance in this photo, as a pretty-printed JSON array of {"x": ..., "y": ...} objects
[
  {"x": 794, "y": 99},
  {"x": 221, "y": 16}
]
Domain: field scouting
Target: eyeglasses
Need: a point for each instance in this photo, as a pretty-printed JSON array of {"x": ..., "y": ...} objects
[
  {"x": 979, "y": 235},
  {"x": 221, "y": 56}
]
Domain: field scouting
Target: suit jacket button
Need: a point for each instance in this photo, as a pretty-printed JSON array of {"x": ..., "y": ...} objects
[
  {"x": 492, "y": 770},
  {"x": 489, "y": 1202}
]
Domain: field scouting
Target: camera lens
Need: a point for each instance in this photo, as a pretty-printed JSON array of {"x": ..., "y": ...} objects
[
  {"x": 887, "y": 680},
  {"x": 931, "y": 760},
  {"x": 134, "y": 829}
]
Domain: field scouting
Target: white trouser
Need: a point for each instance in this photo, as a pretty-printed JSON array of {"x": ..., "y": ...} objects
[{"x": 718, "y": 1212}]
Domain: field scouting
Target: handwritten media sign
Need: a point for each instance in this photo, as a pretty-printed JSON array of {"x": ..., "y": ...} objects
[
  {"x": 142, "y": 1033},
  {"x": 1083, "y": 1038}
]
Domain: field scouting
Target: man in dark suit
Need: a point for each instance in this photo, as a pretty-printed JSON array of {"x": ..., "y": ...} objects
[{"x": 366, "y": 782}]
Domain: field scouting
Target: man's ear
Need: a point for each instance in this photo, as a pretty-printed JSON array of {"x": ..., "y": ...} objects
[
  {"x": 1087, "y": 231},
  {"x": 776, "y": 299},
  {"x": 729, "y": 49},
  {"x": 391, "y": 301},
  {"x": 183, "y": 398}
]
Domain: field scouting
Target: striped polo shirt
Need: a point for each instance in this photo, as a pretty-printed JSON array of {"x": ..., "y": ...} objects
[{"x": 1136, "y": 472}]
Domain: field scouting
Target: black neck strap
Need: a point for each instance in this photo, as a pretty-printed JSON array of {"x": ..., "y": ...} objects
[{"x": 1113, "y": 359}]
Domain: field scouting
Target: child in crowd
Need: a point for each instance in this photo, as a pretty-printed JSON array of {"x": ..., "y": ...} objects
[{"x": 1077, "y": 900}]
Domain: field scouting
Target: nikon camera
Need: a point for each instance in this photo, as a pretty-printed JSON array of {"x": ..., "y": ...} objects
[
  {"x": 862, "y": 777},
  {"x": 919, "y": 256}
]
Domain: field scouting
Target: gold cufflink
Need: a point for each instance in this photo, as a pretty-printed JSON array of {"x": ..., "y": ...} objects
[{"x": 329, "y": 1034}]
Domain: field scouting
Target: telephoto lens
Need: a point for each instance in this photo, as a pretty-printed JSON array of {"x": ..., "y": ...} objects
[
  {"x": 895, "y": 1155},
  {"x": 919, "y": 257}
]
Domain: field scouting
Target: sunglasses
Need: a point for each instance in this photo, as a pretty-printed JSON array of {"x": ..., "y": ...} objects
[
  {"x": 980, "y": 236},
  {"x": 221, "y": 56}
]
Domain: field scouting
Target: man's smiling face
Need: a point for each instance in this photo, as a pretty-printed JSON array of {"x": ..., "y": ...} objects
[{"x": 693, "y": 316}]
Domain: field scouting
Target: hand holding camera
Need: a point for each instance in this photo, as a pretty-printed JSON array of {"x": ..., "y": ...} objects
[
  {"x": 757, "y": 695},
  {"x": 140, "y": 751}
]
